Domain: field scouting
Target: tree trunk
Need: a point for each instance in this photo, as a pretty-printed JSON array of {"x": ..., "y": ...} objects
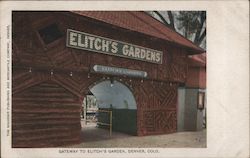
[
  {"x": 171, "y": 24},
  {"x": 171, "y": 19}
]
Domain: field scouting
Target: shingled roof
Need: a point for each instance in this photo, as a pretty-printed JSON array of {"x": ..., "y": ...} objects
[{"x": 141, "y": 22}]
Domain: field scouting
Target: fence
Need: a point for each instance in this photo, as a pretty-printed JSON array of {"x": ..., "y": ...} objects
[{"x": 110, "y": 120}]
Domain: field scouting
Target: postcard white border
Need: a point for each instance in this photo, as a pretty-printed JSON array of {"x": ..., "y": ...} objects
[{"x": 227, "y": 74}]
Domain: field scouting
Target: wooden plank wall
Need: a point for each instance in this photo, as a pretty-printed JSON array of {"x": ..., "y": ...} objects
[{"x": 45, "y": 115}]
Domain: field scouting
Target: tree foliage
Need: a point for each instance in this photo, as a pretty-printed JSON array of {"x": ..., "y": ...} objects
[{"x": 191, "y": 24}]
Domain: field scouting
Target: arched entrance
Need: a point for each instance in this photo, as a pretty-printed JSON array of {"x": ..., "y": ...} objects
[{"x": 115, "y": 96}]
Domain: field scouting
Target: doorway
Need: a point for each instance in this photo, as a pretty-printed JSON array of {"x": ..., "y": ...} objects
[
  {"x": 114, "y": 96},
  {"x": 89, "y": 110}
]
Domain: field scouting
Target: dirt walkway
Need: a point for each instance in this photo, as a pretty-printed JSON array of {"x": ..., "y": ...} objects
[{"x": 93, "y": 137}]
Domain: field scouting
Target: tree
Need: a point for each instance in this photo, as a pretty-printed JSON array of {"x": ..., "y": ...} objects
[
  {"x": 171, "y": 19},
  {"x": 191, "y": 24}
]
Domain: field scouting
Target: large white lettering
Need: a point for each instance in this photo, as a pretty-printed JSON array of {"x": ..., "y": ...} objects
[
  {"x": 89, "y": 42},
  {"x": 80, "y": 41},
  {"x": 72, "y": 40},
  {"x": 97, "y": 44},
  {"x": 105, "y": 45},
  {"x": 125, "y": 50},
  {"x": 131, "y": 51},
  {"x": 114, "y": 47},
  {"x": 158, "y": 57}
]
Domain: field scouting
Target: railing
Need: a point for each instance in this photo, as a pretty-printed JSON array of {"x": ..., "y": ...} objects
[{"x": 110, "y": 121}]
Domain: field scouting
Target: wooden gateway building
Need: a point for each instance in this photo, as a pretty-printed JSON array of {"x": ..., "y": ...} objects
[{"x": 58, "y": 57}]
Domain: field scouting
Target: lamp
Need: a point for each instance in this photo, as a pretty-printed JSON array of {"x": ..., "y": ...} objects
[
  {"x": 51, "y": 72},
  {"x": 111, "y": 82}
]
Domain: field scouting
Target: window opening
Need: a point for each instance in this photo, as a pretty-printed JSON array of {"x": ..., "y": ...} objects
[{"x": 50, "y": 33}]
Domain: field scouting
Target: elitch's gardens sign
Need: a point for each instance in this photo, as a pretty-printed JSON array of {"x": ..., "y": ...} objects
[{"x": 81, "y": 40}]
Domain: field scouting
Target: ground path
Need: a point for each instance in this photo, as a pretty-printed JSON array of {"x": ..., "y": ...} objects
[{"x": 93, "y": 137}]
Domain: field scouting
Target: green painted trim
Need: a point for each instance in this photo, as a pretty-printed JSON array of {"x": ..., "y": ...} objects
[{"x": 124, "y": 120}]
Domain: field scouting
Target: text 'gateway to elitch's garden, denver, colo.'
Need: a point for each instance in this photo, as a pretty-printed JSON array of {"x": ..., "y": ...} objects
[{"x": 81, "y": 40}]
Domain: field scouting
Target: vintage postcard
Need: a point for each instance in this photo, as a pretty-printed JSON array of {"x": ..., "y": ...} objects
[{"x": 124, "y": 79}]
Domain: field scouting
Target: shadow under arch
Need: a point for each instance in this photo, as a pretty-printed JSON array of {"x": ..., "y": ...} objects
[
  {"x": 118, "y": 97},
  {"x": 98, "y": 80}
]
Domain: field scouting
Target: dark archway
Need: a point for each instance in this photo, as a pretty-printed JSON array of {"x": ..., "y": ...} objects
[{"x": 117, "y": 97}]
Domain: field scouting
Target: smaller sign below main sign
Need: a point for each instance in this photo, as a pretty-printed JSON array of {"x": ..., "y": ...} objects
[{"x": 119, "y": 71}]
